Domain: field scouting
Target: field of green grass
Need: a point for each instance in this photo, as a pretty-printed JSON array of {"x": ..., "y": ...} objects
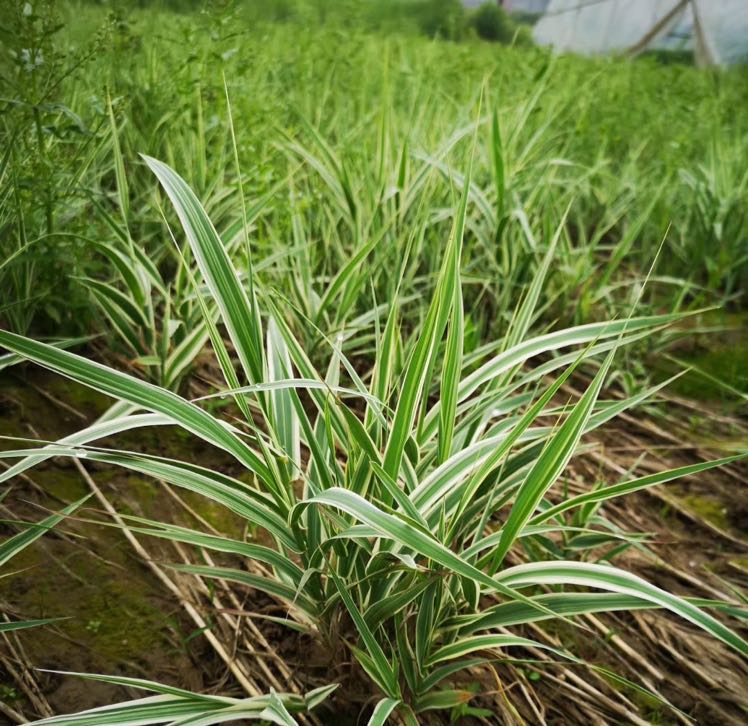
[{"x": 413, "y": 310}]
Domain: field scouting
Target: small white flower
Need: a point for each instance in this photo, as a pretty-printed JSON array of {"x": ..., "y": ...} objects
[
  {"x": 31, "y": 60},
  {"x": 27, "y": 9}
]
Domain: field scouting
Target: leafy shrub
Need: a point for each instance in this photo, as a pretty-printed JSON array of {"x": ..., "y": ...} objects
[
  {"x": 45, "y": 143},
  {"x": 491, "y": 22}
]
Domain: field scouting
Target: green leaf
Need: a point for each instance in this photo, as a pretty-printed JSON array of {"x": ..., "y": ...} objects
[
  {"x": 439, "y": 700},
  {"x": 240, "y": 498},
  {"x": 13, "y": 545},
  {"x": 219, "y": 543},
  {"x": 561, "y": 604},
  {"x": 100, "y": 429},
  {"x": 239, "y": 313},
  {"x": 451, "y": 374},
  {"x": 550, "y": 464},
  {"x": 616, "y": 580},
  {"x": 382, "y": 711},
  {"x": 265, "y": 584},
  {"x": 579, "y": 335},
  {"x": 22, "y": 624},
  {"x": 633, "y": 485},
  {"x": 285, "y": 420},
  {"x": 421, "y": 359},
  {"x": 184, "y": 708},
  {"x": 472, "y": 644},
  {"x": 382, "y": 670},
  {"x": 143, "y": 394}
]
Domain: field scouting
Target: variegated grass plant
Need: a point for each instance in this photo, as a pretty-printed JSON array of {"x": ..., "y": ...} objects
[{"x": 394, "y": 507}]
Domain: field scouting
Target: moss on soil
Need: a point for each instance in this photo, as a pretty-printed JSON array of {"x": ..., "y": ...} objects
[
  {"x": 63, "y": 482},
  {"x": 741, "y": 563},
  {"x": 114, "y": 611},
  {"x": 708, "y": 508},
  {"x": 108, "y": 611},
  {"x": 81, "y": 398}
]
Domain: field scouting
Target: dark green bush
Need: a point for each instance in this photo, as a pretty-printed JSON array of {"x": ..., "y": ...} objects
[{"x": 491, "y": 22}]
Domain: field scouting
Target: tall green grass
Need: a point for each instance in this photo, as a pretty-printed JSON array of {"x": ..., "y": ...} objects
[{"x": 348, "y": 154}]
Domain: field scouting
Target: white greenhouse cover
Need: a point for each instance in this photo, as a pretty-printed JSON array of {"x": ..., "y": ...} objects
[{"x": 716, "y": 30}]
